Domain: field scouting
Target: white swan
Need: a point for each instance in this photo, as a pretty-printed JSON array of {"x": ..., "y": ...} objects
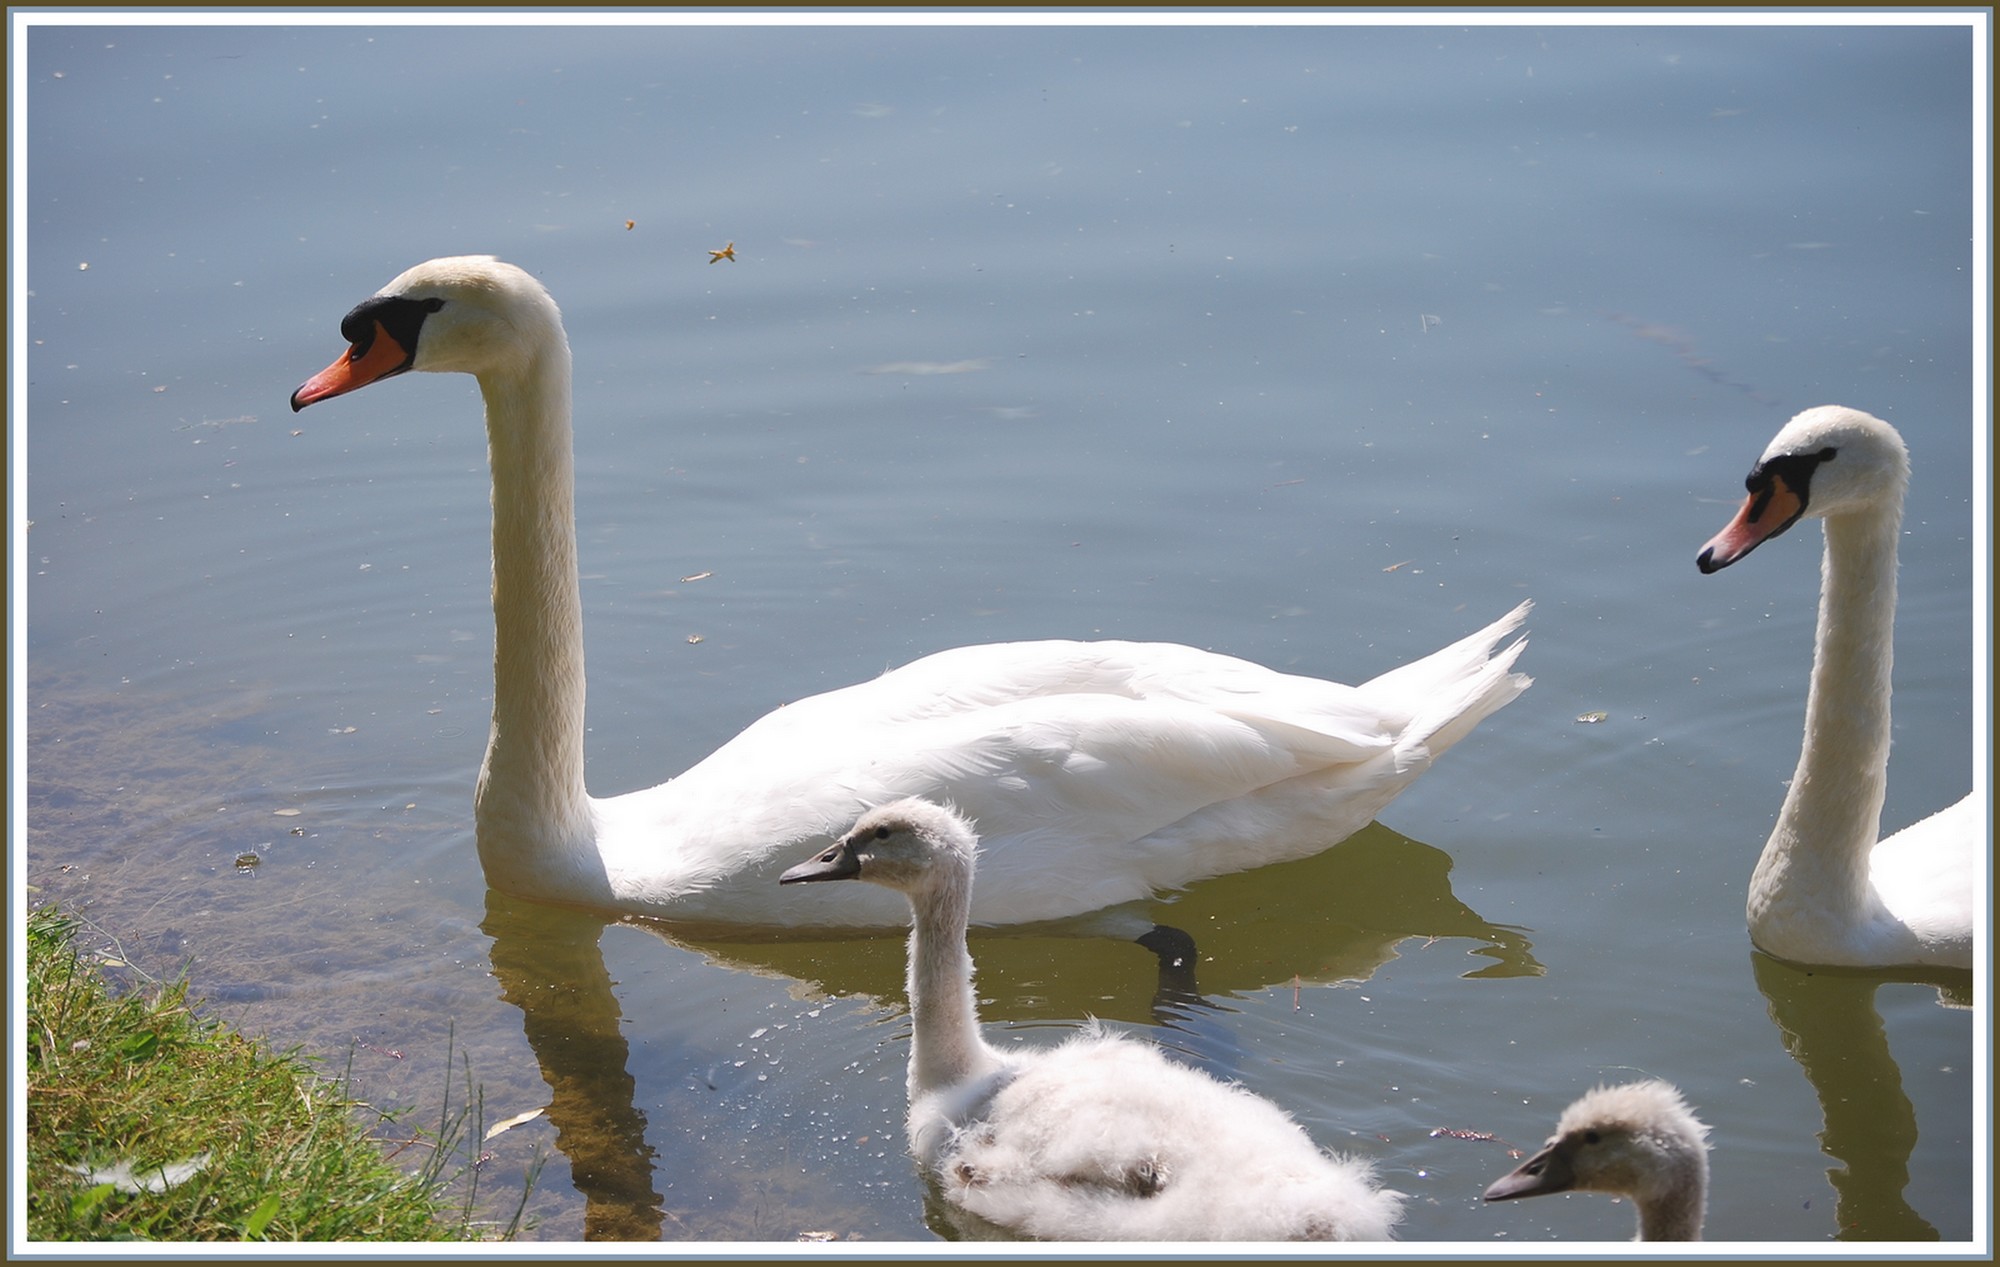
[
  {"x": 1824, "y": 892},
  {"x": 1104, "y": 771},
  {"x": 1101, "y": 1137},
  {"x": 1640, "y": 1141}
]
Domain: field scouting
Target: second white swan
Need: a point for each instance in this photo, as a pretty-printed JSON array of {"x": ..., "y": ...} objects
[
  {"x": 1825, "y": 890},
  {"x": 1101, "y": 771}
]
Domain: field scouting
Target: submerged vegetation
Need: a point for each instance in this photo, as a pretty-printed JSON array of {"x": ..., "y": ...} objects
[{"x": 147, "y": 1121}]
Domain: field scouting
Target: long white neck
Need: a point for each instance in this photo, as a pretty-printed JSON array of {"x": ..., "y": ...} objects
[
  {"x": 533, "y": 814},
  {"x": 945, "y": 1046},
  {"x": 1817, "y": 856}
]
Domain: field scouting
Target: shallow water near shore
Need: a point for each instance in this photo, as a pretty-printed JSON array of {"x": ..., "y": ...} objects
[{"x": 1316, "y": 346}]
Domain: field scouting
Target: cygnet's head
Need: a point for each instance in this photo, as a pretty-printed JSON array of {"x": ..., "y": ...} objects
[
  {"x": 1639, "y": 1141},
  {"x": 909, "y": 845},
  {"x": 1827, "y": 461},
  {"x": 469, "y": 314}
]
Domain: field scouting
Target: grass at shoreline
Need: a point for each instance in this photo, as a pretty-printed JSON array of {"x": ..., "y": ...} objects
[{"x": 147, "y": 1121}]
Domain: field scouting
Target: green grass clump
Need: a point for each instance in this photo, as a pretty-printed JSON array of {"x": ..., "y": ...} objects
[{"x": 149, "y": 1122}]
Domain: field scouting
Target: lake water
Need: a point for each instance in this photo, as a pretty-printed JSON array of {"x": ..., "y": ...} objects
[{"x": 1321, "y": 346}]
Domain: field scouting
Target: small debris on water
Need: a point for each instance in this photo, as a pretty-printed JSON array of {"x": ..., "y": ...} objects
[{"x": 1449, "y": 1132}]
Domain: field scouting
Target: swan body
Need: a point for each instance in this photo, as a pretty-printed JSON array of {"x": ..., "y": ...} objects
[
  {"x": 1102, "y": 771},
  {"x": 1825, "y": 891},
  {"x": 1101, "y": 1137},
  {"x": 1640, "y": 1141}
]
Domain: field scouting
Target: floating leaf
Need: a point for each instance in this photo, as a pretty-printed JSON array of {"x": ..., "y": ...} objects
[
  {"x": 287, "y": 813},
  {"x": 1592, "y": 718},
  {"x": 511, "y": 1123}
]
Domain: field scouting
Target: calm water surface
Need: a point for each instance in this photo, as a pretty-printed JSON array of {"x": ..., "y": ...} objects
[{"x": 1320, "y": 347}]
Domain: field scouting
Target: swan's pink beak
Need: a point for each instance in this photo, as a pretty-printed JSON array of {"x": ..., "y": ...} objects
[
  {"x": 384, "y": 357},
  {"x": 1765, "y": 514}
]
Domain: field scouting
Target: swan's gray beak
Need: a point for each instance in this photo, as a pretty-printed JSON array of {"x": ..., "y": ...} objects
[
  {"x": 836, "y": 863},
  {"x": 1547, "y": 1171}
]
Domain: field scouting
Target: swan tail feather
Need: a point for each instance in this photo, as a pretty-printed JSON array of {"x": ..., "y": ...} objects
[{"x": 1452, "y": 690}]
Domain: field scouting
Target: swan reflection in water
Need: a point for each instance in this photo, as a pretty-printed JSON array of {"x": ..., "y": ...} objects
[
  {"x": 1828, "y": 1022},
  {"x": 1338, "y": 916}
]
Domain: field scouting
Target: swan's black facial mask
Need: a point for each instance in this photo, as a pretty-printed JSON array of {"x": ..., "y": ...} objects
[
  {"x": 398, "y": 318},
  {"x": 382, "y": 335},
  {"x": 1780, "y": 490},
  {"x": 1787, "y": 477}
]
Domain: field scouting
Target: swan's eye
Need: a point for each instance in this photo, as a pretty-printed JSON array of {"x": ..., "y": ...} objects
[
  {"x": 1826, "y": 454},
  {"x": 882, "y": 833}
]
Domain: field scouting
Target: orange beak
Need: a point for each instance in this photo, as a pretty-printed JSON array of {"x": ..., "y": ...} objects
[
  {"x": 1765, "y": 514},
  {"x": 384, "y": 357}
]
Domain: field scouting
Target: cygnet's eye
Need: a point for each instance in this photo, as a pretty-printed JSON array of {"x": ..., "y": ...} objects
[
  {"x": 1592, "y": 1137},
  {"x": 883, "y": 833}
]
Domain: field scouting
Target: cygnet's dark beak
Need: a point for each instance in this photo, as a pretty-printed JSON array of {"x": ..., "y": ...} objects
[
  {"x": 1547, "y": 1171},
  {"x": 836, "y": 863}
]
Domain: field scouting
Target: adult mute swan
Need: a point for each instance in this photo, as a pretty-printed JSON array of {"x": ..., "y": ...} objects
[
  {"x": 1640, "y": 1141},
  {"x": 1101, "y": 1137},
  {"x": 1104, "y": 771},
  {"x": 1824, "y": 891}
]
